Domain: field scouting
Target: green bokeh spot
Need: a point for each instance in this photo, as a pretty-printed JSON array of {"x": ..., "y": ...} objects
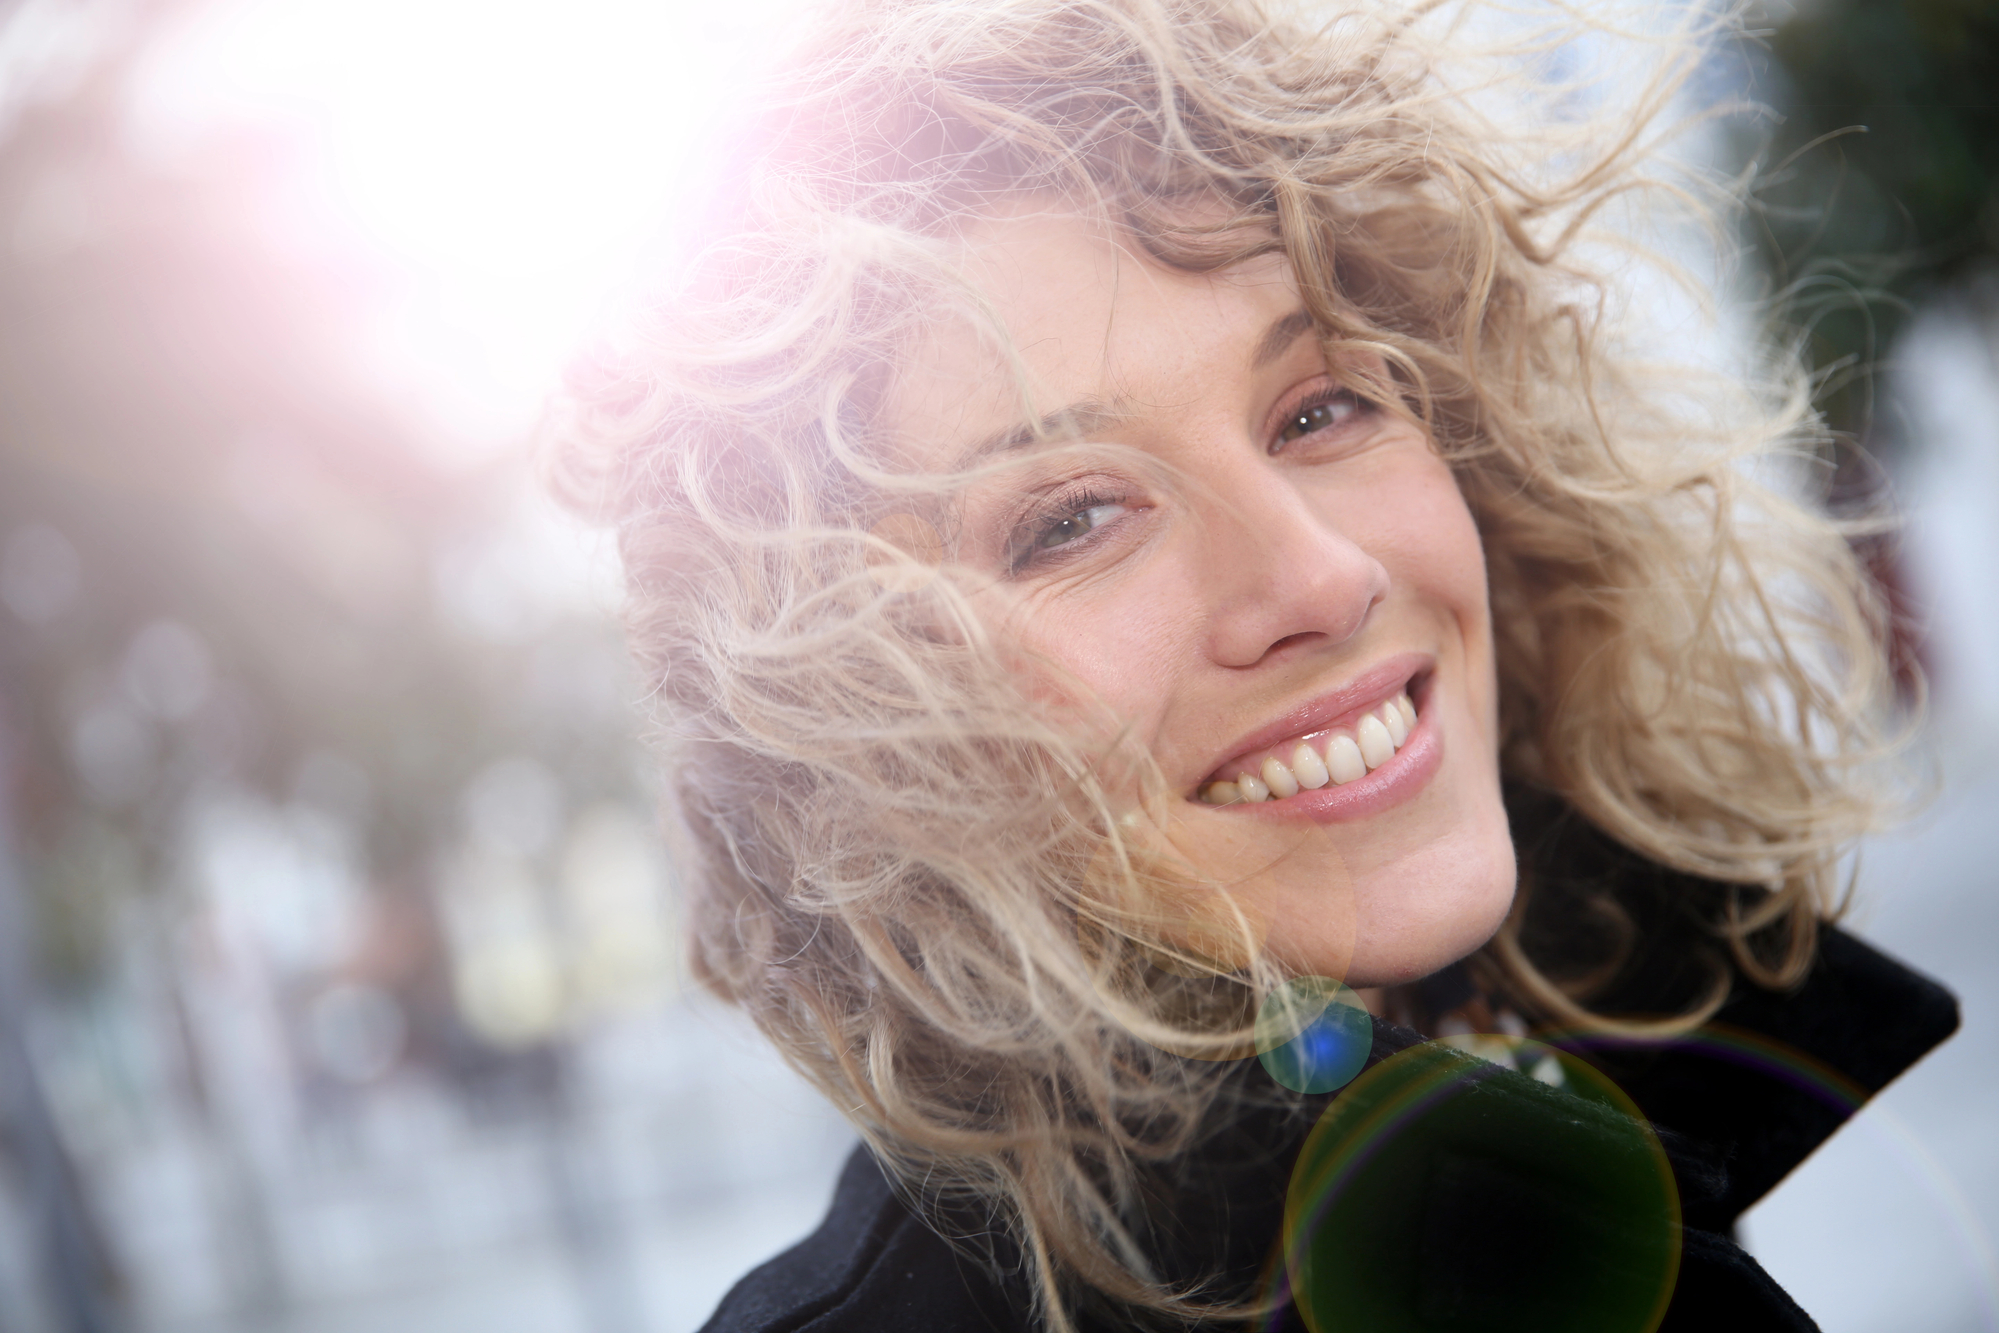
[{"x": 1440, "y": 1193}]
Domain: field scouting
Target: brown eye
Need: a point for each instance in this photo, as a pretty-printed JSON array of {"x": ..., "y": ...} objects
[{"x": 1315, "y": 417}]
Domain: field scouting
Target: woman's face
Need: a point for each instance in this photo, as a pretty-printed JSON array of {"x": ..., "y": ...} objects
[{"x": 1256, "y": 619}]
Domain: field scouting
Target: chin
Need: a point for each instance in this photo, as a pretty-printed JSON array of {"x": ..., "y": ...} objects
[{"x": 1415, "y": 919}]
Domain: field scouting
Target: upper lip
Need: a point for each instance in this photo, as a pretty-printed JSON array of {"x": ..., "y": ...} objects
[{"x": 1382, "y": 681}]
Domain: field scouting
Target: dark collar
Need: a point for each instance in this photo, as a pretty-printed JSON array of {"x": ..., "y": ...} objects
[
  {"x": 1770, "y": 1079},
  {"x": 1755, "y": 1091}
]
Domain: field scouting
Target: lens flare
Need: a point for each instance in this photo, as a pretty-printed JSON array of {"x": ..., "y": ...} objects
[
  {"x": 491, "y": 172},
  {"x": 1440, "y": 1192},
  {"x": 1313, "y": 1034}
]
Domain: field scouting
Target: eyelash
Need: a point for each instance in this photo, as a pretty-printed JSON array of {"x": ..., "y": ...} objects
[
  {"x": 1024, "y": 545},
  {"x": 1297, "y": 418}
]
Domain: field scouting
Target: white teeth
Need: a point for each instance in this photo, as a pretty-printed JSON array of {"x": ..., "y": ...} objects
[
  {"x": 1310, "y": 769},
  {"x": 1376, "y": 746},
  {"x": 1398, "y": 730},
  {"x": 1377, "y": 737},
  {"x": 1343, "y": 760},
  {"x": 1278, "y": 778}
]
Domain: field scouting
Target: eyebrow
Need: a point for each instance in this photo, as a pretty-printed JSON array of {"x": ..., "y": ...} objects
[
  {"x": 1277, "y": 339},
  {"x": 1086, "y": 416},
  {"x": 1083, "y": 417}
]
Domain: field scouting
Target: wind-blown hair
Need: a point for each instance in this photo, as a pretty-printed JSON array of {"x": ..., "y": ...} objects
[{"x": 917, "y": 883}]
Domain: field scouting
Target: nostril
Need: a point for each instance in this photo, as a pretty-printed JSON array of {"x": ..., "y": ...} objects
[{"x": 1291, "y": 640}]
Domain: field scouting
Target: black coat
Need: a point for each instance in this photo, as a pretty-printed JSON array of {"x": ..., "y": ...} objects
[{"x": 1732, "y": 1131}]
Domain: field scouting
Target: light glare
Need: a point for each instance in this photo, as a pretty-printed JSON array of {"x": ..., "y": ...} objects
[{"x": 502, "y": 164}]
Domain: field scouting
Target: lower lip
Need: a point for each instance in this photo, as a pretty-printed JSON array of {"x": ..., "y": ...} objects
[{"x": 1396, "y": 781}]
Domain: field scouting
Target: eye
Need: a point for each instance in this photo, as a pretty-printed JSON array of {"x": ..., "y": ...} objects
[
  {"x": 1316, "y": 416},
  {"x": 1067, "y": 529},
  {"x": 1063, "y": 525}
]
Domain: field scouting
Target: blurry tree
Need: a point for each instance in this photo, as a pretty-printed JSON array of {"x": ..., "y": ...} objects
[
  {"x": 226, "y": 546},
  {"x": 1882, "y": 184},
  {"x": 1879, "y": 192},
  {"x": 227, "y": 564}
]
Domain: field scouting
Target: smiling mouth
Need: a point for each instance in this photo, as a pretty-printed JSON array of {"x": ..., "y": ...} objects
[{"x": 1328, "y": 758}]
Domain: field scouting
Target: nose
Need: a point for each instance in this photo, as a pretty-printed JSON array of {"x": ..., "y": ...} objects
[{"x": 1282, "y": 574}]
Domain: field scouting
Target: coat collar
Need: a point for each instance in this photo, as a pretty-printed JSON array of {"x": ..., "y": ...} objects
[
  {"x": 1744, "y": 1099},
  {"x": 1762, "y": 1086}
]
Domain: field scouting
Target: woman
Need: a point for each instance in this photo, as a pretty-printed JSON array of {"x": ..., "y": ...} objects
[{"x": 1141, "y": 511}]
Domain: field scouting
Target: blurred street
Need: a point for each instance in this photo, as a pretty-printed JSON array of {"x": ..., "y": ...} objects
[{"x": 684, "y": 1154}]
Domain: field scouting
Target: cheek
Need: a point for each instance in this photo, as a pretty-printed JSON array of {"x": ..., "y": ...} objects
[
  {"x": 1115, "y": 646},
  {"x": 1425, "y": 533}
]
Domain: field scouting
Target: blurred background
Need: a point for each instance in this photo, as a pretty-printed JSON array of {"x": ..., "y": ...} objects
[{"x": 339, "y": 987}]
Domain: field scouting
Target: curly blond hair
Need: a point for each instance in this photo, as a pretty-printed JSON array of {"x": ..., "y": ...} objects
[{"x": 919, "y": 887}]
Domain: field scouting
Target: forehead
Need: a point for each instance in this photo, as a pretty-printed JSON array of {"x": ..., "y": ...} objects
[{"x": 1068, "y": 309}]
